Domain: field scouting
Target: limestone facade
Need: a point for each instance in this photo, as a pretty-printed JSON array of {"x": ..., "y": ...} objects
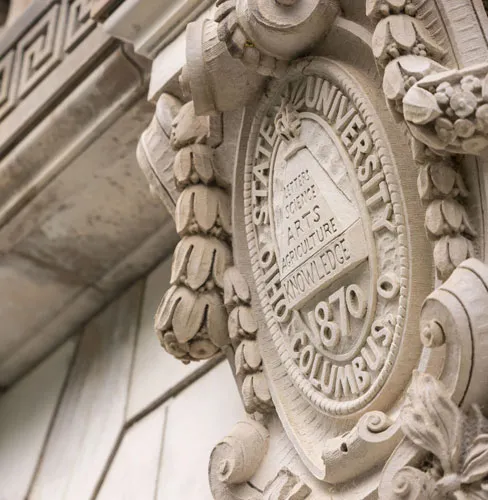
[{"x": 316, "y": 169}]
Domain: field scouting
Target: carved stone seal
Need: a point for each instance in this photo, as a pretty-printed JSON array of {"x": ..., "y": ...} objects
[
  {"x": 336, "y": 249},
  {"x": 326, "y": 231}
]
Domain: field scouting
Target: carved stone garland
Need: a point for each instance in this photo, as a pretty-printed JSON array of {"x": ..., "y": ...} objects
[
  {"x": 444, "y": 111},
  {"x": 236, "y": 458},
  {"x": 242, "y": 332},
  {"x": 191, "y": 320}
]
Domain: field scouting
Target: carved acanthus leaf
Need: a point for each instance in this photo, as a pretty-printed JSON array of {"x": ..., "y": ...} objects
[
  {"x": 457, "y": 443},
  {"x": 432, "y": 421}
]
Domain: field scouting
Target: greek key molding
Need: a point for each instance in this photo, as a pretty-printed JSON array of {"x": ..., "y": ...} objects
[{"x": 40, "y": 48}]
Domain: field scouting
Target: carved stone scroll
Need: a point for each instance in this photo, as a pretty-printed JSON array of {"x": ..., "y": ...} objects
[
  {"x": 235, "y": 460},
  {"x": 431, "y": 463},
  {"x": 454, "y": 329}
]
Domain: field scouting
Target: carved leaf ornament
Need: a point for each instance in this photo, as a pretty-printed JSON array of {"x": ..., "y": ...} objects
[
  {"x": 401, "y": 34},
  {"x": 200, "y": 263},
  {"x": 190, "y": 315},
  {"x": 457, "y": 444},
  {"x": 203, "y": 209},
  {"x": 242, "y": 327},
  {"x": 191, "y": 321},
  {"x": 194, "y": 165}
]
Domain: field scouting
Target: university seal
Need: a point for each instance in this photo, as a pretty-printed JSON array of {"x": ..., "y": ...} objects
[{"x": 327, "y": 237}]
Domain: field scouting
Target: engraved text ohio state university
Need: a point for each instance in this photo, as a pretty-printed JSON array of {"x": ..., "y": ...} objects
[{"x": 326, "y": 234}]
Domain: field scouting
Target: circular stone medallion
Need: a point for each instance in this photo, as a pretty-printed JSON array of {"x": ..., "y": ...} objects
[{"x": 326, "y": 234}]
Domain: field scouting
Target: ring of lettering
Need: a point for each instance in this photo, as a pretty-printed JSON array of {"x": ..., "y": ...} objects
[{"x": 325, "y": 229}]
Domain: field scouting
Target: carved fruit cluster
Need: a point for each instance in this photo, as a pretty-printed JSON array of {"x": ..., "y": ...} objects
[
  {"x": 457, "y": 108},
  {"x": 191, "y": 320},
  {"x": 457, "y": 443},
  {"x": 398, "y": 32},
  {"x": 242, "y": 332}
]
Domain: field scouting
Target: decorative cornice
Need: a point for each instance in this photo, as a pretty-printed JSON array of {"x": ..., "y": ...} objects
[
  {"x": 149, "y": 26},
  {"x": 40, "y": 47}
]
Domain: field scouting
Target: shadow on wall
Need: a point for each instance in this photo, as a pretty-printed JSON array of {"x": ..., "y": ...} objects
[{"x": 10, "y": 10}]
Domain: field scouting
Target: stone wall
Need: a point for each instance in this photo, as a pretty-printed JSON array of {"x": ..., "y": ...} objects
[{"x": 111, "y": 415}]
